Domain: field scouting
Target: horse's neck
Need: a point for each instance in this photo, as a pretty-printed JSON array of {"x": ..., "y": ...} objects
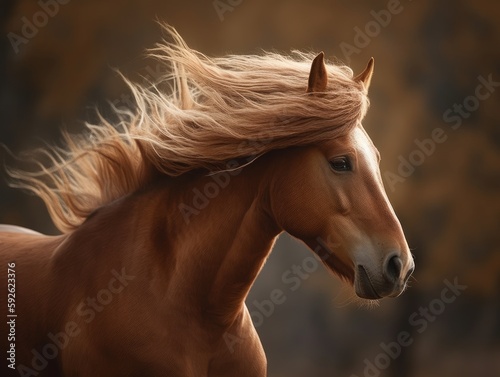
[{"x": 221, "y": 249}]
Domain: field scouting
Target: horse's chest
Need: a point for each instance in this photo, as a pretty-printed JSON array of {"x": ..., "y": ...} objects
[{"x": 164, "y": 343}]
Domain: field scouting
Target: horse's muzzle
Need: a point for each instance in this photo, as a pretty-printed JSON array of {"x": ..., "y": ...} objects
[{"x": 391, "y": 282}]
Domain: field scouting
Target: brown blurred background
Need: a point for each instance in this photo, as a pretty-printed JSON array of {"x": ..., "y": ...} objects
[{"x": 430, "y": 58}]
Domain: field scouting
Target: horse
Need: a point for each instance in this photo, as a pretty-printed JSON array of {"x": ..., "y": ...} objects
[{"x": 168, "y": 214}]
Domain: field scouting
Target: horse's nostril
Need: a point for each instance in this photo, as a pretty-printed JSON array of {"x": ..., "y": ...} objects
[
  {"x": 393, "y": 268},
  {"x": 408, "y": 274}
]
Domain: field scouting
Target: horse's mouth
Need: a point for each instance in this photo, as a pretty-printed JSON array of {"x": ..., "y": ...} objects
[{"x": 364, "y": 286}]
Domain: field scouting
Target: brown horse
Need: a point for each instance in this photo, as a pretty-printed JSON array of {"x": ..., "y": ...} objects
[{"x": 167, "y": 222}]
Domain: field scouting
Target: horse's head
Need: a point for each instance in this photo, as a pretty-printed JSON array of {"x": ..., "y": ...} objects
[{"x": 332, "y": 197}]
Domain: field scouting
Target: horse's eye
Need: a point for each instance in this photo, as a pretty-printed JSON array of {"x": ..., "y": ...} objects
[{"x": 341, "y": 164}]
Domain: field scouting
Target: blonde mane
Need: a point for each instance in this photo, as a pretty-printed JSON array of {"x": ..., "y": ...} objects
[{"x": 219, "y": 109}]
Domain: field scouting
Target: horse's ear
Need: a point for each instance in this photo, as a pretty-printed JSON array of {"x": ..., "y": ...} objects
[
  {"x": 318, "y": 77},
  {"x": 366, "y": 76}
]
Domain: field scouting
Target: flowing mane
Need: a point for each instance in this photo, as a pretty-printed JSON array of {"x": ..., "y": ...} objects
[{"x": 219, "y": 109}]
